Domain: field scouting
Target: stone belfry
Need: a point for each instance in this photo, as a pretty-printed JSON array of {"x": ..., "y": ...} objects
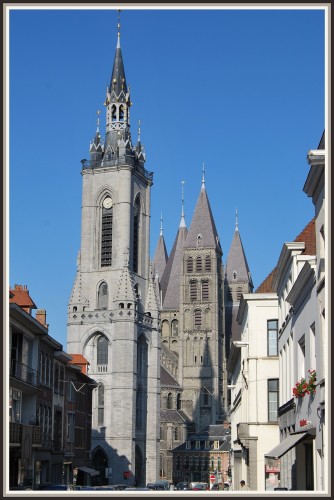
[{"x": 113, "y": 312}]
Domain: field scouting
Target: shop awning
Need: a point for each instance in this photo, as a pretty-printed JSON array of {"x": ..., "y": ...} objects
[
  {"x": 87, "y": 470},
  {"x": 286, "y": 445}
]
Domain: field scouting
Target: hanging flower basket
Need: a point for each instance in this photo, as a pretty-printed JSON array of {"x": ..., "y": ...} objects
[{"x": 303, "y": 387}]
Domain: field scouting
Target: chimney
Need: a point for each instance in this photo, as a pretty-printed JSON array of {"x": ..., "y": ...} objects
[{"x": 41, "y": 317}]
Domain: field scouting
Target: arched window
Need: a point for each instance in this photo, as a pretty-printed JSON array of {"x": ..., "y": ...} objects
[
  {"x": 190, "y": 265},
  {"x": 136, "y": 223},
  {"x": 198, "y": 263},
  {"x": 121, "y": 114},
  {"x": 234, "y": 275},
  {"x": 102, "y": 354},
  {"x": 106, "y": 232},
  {"x": 178, "y": 402},
  {"x": 165, "y": 328},
  {"x": 197, "y": 318},
  {"x": 207, "y": 263},
  {"x": 193, "y": 290},
  {"x": 139, "y": 410},
  {"x": 175, "y": 328},
  {"x": 103, "y": 296},
  {"x": 100, "y": 404},
  {"x": 176, "y": 433},
  {"x": 170, "y": 401},
  {"x": 113, "y": 113},
  {"x": 205, "y": 290}
]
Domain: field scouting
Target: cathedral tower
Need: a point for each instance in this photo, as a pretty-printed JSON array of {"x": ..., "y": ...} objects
[{"x": 113, "y": 312}]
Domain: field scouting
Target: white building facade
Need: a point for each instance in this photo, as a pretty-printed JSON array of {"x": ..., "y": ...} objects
[
  {"x": 300, "y": 285},
  {"x": 253, "y": 368}
]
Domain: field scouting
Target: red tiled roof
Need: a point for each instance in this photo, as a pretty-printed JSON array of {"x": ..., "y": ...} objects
[
  {"x": 20, "y": 295},
  {"x": 267, "y": 285},
  {"x": 308, "y": 236},
  {"x": 78, "y": 359}
]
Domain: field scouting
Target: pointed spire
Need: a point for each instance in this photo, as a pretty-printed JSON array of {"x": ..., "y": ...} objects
[
  {"x": 182, "y": 222},
  {"x": 118, "y": 46},
  {"x": 138, "y": 131},
  {"x": 236, "y": 219},
  {"x": 161, "y": 219},
  {"x": 118, "y": 81},
  {"x": 203, "y": 177},
  {"x": 203, "y": 227}
]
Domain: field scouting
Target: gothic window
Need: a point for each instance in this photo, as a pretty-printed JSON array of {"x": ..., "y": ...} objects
[
  {"x": 121, "y": 114},
  {"x": 190, "y": 265},
  {"x": 102, "y": 353},
  {"x": 176, "y": 433},
  {"x": 139, "y": 411},
  {"x": 136, "y": 223},
  {"x": 207, "y": 263},
  {"x": 165, "y": 328},
  {"x": 178, "y": 402},
  {"x": 100, "y": 404},
  {"x": 193, "y": 291},
  {"x": 206, "y": 398},
  {"x": 170, "y": 401},
  {"x": 175, "y": 328},
  {"x": 199, "y": 263},
  {"x": 207, "y": 318},
  {"x": 187, "y": 319},
  {"x": 198, "y": 318},
  {"x": 106, "y": 233},
  {"x": 103, "y": 296},
  {"x": 113, "y": 113},
  {"x": 205, "y": 290}
]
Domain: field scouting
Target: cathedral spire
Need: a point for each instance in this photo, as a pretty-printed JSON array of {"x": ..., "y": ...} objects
[
  {"x": 203, "y": 177},
  {"x": 182, "y": 222},
  {"x": 161, "y": 230}
]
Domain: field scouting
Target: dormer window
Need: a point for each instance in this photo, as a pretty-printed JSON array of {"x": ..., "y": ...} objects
[{"x": 234, "y": 275}]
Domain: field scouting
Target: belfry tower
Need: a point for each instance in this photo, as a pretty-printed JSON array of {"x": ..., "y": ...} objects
[{"x": 113, "y": 312}]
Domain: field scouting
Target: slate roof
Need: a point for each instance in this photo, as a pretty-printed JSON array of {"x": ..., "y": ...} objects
[
  {"x": 20, "y": 295},
  {"x": 160, "y": 257},
  {"x": 118, "y": 81},
  {"x": 167, "y": 379},
  {"x": 174, "y": 416},
  {"x": 170, "y": 280},
  {"x": 236, "y": 260},
  {"x": 204, "y": 224}
]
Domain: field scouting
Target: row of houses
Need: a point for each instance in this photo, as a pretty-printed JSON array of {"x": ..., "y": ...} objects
[
  {"x": 50, "y": 403},
  {"x": 277, "y": 364}
]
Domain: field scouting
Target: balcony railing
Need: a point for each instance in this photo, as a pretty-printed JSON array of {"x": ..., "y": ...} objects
[{"x": 23, "y": 372}]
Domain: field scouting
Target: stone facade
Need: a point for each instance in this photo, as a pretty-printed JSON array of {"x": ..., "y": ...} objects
[{"x": 113, "y": 312}]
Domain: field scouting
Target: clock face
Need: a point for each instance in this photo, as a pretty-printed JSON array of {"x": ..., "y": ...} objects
[{"x": 107, "y": 203}]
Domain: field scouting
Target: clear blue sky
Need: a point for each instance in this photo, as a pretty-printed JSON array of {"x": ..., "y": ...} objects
[{"x": 240, "y": 90}]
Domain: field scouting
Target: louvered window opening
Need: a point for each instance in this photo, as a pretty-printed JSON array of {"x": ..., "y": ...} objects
[
  {"x": 193, "y": 291},
  {"x": 205, "y": 290},
  {"x": 198, "y": 317},
  {"x": 190, "y": 266},
  {"x": 106, "y": 239},
  {"x": 208, "y": 263},
  {"x": 199, "y": 264}
]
